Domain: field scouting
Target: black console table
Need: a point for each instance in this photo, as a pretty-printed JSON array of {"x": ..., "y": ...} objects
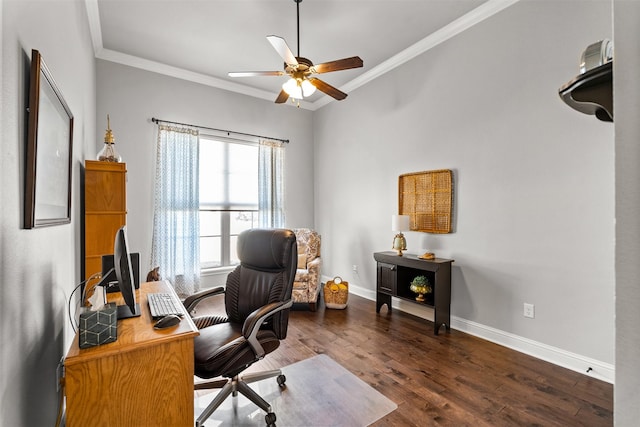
[{"x": 395, "y": 274}]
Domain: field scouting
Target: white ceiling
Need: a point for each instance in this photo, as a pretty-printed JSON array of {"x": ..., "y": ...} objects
[{"x": 203, "y": 40}]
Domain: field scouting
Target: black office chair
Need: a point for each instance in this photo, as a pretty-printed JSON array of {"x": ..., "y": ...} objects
[{"x": 257, "y": 302}]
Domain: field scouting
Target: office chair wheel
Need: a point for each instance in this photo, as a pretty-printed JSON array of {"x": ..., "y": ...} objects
[
  {"x": 270, "y": 418},
  {"x": 281, "y": 379}
]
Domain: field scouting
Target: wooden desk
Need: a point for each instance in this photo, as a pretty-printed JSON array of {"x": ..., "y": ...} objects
[{"x": 145, "y": 378}]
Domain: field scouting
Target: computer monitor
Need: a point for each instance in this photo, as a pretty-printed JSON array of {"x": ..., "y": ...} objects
[
  {"x": 109, "y": 272},
  {"x": 124, "y": 274}
]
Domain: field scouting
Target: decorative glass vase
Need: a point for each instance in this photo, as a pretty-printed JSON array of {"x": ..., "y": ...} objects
[{"x": 108, "y": 152}]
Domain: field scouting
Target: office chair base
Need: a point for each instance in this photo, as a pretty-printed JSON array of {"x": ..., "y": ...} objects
[
  {"x": 258, "y": 376},
  {"x": 233, "y": 386}
]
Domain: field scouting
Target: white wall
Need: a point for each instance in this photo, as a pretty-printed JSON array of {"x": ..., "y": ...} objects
[
  {"x": 132, "y": 97},
  {"x": 39, "y": 267},
  {"x": 534, "y": 179},
  {"x": 627, "y": 107}
]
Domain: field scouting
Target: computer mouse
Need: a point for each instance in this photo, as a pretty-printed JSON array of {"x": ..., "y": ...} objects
[{"x": 167, "y": 321}]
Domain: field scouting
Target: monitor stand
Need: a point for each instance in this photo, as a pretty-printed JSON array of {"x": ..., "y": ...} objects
[{"x": 124, "y": 312}]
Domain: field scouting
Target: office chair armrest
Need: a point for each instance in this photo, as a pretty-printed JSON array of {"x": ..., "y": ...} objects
[
  {"x": 252, "y": 324},
  {"x": 192, "y": 300}
]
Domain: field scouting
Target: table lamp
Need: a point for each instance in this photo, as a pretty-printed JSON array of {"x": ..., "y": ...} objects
[{"x": 399, "y": 223}]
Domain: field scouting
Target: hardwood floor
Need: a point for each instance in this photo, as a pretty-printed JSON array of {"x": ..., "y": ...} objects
[{"x": 452, "y": 379}]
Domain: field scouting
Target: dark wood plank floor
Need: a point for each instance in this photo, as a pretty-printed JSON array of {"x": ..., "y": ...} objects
[{"x": 452, "y": 379}]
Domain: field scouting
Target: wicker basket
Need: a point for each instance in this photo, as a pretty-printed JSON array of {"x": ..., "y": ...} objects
[{"x": 336, "y": 293}]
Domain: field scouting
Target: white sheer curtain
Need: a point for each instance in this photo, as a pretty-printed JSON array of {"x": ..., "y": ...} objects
[
  {"x": 176, "y": 229},
  {"x": 270, "y": 184}
]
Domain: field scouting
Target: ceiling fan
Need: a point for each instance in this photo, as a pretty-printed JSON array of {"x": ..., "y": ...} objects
[{"x": 300, "y": 70}]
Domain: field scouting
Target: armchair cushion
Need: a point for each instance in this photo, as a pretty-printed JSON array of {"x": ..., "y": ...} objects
[
  {"x": 302, "y": 261},
  {"x": 306, "y": 286},
  {"x": 302, "y": 275}
]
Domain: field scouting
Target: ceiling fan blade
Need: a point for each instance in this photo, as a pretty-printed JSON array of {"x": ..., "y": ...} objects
[
  {"x": 340, "y": 64},
  {"x": 328, "y": 89},
  {"x": 255, "y": 73},
  {"x": 283, "y": 50},
  {"x": 282, "y": 97}
]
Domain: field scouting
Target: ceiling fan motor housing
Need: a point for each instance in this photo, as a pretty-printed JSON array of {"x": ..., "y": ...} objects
[{"x": 301, "y": 70}]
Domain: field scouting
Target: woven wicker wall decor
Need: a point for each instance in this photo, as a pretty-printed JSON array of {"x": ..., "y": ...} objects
[{"x": 427, "y": 198}]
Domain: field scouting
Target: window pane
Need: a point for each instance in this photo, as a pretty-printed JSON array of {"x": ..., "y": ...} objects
[
  {"x": 228, "y": 198},
  {"x": 241, "y": 221},
  {"x": 228, "y": 174},
  {"x": 243, "y": 175},
  {"x": 210, "y": 223},
  {"x": 234, "y": 252},
  {"x": 210, "y": 252},
  {"x": 212, "y": 172}
]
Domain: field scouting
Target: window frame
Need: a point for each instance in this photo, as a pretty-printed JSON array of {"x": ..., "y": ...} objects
[{"x": 225, "y": 212}]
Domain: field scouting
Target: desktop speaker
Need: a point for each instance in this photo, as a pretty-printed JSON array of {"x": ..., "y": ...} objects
[{"x": 107, "y": 264}]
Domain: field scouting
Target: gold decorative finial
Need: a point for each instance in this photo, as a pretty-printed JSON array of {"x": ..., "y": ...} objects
[{"x": 108, "y": 136}]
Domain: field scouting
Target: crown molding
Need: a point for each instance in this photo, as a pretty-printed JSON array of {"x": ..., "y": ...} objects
[
  {"x": 93, "y": 16},
  {"x": 180, "y": 73},
  {"x": 477, "y": 15}
]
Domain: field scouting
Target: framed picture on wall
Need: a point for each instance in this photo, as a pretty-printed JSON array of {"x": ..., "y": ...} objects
[
  {"x": 47, "y": 198},
  {"x": 427, "y": 197}
]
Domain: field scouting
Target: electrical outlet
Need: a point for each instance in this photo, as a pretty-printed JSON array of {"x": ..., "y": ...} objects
[
  {"x": 529, "y": 310},
  {"x": 355, "y": 267}
]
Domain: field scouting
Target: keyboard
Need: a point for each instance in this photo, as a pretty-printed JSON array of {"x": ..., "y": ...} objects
[{"x": 163, "y": 304}]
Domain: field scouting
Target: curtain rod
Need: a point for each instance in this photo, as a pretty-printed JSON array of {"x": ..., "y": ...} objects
[{"x": 154, "y": 120}]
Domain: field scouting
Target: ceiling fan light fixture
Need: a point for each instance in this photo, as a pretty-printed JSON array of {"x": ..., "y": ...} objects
[
  {"x": 293, "y": 88},
  {"x": 308, "y": 89}
]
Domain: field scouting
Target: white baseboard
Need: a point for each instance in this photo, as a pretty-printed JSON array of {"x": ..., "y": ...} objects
[{"x": 575, "y": 362}]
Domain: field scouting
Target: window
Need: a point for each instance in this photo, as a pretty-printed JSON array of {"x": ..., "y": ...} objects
[{"x": 228, "y": 197}]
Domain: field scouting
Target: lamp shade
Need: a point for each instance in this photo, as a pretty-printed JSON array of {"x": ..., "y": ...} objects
[
  {"x": 399, "y": 222},
  {"x": 308, "y": 88},
  {"x": 292, "y": 88}
]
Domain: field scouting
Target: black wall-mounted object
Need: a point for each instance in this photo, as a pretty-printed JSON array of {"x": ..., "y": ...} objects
[{"x": 591, "y": 92}]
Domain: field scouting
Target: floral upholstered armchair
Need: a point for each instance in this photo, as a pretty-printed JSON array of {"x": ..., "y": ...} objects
[{"x": 306, "y": 285}]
